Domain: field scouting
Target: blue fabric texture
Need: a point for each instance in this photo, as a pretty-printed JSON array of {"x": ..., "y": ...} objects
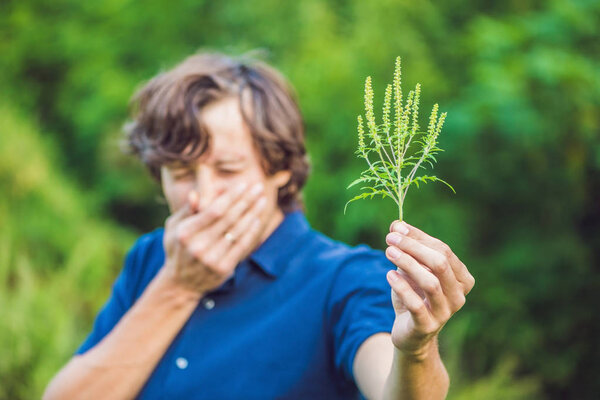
[{"x": 286, "y": 325}]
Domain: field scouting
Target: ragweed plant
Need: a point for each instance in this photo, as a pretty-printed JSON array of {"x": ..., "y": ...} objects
[{"x": 385, "y": 146}]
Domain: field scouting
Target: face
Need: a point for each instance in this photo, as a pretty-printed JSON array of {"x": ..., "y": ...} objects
[{"x": 230, "y": 159}]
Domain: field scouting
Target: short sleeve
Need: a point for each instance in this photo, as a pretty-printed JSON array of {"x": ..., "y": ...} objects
[
  {"x": 359, "y": 304},
  {"x": 118, "y": 303}
]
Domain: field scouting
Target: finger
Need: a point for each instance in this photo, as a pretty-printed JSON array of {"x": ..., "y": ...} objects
[
  {"x": 188, "y": 209},
  {"x": 417, "y": 234},
  {"x": 436, "y": 262},
  {"x": 411, "y": 300},
  {"x": 460, "y": 270},
  {"x": 412, "y": 284},
  {"x": 251, "y": 227},
  {"x": 180, "y": 214},
  {"x": 238, "y": 229},
  {"x": 217, "y": 251},
  {"x": 212, "y": 234},
  {"x": 238, "y": 208},
  {"x": 427, "y": 281},
  {"x": 214, "y": 211}
]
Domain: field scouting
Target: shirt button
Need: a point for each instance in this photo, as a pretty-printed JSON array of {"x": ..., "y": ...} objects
[
  {"x": 208, "y": 303},
  {"x": 181, "y": 363}
]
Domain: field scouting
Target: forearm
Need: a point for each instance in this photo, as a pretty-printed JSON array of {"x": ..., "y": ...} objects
[
  {"x": 120, "y": 364},
  {"x": 418, "y": 377}
]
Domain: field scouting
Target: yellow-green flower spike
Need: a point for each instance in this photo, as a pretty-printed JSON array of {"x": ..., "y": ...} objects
[
  {"x": 361, "y": 135},
  {"x": 397, "y": 95},
  {"x": 386, "y": 108},
  {"x": 440, "y": 123},
  {"x": 369, "y": 101},
  {"x": 406, "y": 114},
  {"x": 415, "y": 110},
  {"x": 432, "y": 120},
  {"x": 370, "y": 115}
]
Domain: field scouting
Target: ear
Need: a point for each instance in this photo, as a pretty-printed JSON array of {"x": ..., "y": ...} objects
[{"x": 281, "y": 178}]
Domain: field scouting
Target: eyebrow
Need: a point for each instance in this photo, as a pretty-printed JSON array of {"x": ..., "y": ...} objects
[{"x": 177, "y": 165}]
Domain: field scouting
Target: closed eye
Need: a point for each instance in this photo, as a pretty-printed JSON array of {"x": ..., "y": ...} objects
[{"x": 228, "y": 171}]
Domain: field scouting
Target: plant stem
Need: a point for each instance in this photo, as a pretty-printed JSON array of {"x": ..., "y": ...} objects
[
  {"x": 391, "y": 194},
  {"x": 386, "y": 154},
  {"x": 383, "y": 160},
  {"x": 416, "y": 167},
  {"x": 391, "y": 149},
  {"x": 400, "y": 197}
]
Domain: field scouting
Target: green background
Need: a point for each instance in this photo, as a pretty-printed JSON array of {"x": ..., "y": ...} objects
[{"x": 520, "y": 81}]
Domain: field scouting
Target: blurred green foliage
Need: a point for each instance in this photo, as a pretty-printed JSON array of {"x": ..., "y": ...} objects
[{"x": 520, "y": 81}]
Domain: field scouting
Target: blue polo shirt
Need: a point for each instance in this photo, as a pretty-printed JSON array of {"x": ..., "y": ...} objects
[{"x": 286, "y": 325}]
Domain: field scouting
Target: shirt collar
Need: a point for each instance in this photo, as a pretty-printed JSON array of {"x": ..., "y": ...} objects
[{"x": 272, "y": 253}]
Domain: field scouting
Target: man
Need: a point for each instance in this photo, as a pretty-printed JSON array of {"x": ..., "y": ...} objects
[{"x": 237, "y": 297}]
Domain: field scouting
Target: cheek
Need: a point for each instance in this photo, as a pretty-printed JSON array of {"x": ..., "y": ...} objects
[
  {"x": 272, "y": 192},
  {"x": 177, "y": 195},
  {"x": 250, "y": 176}
]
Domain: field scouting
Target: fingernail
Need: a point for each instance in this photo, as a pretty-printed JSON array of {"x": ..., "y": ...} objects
[
  {"x": 260, "y": 204},
  {"x": 393, "y": 252},
  {"x": 401, "y": 227},
  {"x": 241, "y": 187},
  {"x": 393, "y": 238},
  {"x": 193, "y": 198},
  {"x": 256, "y": 189},
  {"x": 393, "y": 275}
]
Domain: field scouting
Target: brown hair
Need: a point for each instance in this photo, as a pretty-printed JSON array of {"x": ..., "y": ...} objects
[{"x": 167, "y": 126}]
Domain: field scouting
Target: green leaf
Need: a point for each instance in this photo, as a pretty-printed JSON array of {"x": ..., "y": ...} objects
[
  {"x": 358, "y": 197},
  {"x": 362, "y": 179},
  {"x": 427, "y": 179},
  {"x": 447, "y": 184}
]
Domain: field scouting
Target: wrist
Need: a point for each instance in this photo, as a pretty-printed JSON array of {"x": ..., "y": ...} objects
[
  {"x": 179, "y": 293},
  {"x": 420, "y": 354}
]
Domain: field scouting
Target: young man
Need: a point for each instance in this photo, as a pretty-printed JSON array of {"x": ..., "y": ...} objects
[{"x": 237, "y": 297}]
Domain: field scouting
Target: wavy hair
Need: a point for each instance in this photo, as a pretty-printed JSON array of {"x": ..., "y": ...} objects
[{"x": 167, "y": 124}]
